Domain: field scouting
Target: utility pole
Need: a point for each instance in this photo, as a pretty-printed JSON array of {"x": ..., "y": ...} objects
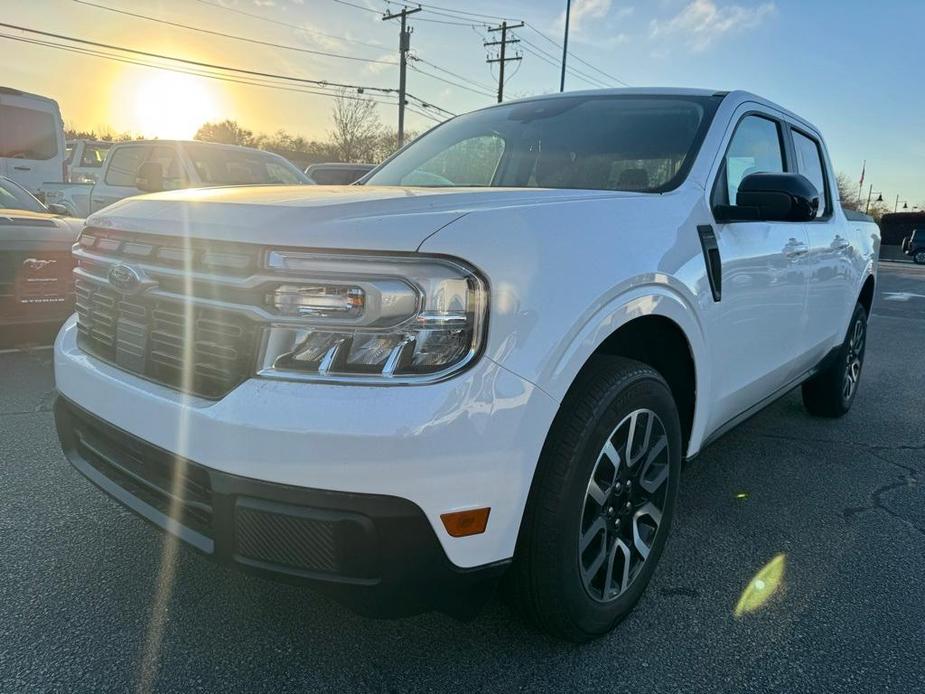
[
  {"x": 568, "y": 11},
  {"x": 502, "y": 59},
  {"x": 404, "y": 44}
]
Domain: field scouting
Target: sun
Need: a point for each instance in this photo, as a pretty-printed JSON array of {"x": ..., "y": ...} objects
[{"x": 172, "y": 106}]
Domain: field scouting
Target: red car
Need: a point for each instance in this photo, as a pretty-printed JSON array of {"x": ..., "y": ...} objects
[{"x": 36, "y": 284}]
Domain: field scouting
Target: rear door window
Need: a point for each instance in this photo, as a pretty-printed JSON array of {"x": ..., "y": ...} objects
[
  {"x": 26, "y": 133},
  {"x": 809, "y": 163}
]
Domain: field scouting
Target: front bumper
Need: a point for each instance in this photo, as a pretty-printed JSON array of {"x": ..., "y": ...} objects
[
  {"x": 469, "y": 442},
  {"x": 376, "y": 554}
]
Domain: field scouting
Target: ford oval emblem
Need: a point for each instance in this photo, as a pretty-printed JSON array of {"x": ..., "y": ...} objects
[{"x": 125, "y": 279}]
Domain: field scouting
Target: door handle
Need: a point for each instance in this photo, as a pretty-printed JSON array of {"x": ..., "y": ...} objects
[
  {"x": 22, "y": 168},
  {"x": 795, "y": 249},
  {"x": 842, "y": 244}
]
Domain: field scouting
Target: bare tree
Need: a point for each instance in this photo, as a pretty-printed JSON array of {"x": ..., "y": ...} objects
[
  {"x": 848, "y": 192},
  {"x": 357, "y": 129}
]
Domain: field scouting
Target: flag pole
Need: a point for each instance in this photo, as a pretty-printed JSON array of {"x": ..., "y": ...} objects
[{"x": 861, "y": 183}]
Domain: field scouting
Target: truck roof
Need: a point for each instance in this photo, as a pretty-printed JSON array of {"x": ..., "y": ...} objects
[
  {"x": 738, "y": 95},
  {"x": 198, "y": 143},
  {"x": 11, "y": 91}
]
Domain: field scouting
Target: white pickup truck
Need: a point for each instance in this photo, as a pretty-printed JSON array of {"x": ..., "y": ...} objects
[
  {"x": 490, "y": 359},
  {"x": 133, "y": 168}
]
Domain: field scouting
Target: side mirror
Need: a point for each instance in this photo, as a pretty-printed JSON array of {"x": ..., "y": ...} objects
[
  {"x": 772, "y": 197},
  {"x": 58, "y": 208},
  {"x": 150, "y": 177}
]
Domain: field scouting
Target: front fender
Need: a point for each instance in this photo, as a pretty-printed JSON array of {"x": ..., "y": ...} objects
[
  {"x": 564, "y": 277},
  {"x": 581, "y": 341}
]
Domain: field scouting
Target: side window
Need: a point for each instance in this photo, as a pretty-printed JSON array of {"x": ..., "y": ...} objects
[
  {"x": 27, "y": 134},
  {"x": 123, "y": 166},
  {"x": 170, "y": 166},
  {"x": 470, "y": 162},
  {"x": 809, "y": 163},
  {"x": 93, "y": 155},
  {"x": 755, "y": 147}
]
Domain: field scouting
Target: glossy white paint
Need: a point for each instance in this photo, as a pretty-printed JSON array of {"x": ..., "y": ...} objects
[
  {"x": 468, "y": 442},
  {"x": 566, "y": 269}
]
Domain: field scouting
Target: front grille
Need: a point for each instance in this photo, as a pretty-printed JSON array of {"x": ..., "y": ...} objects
[
  {"x": 302, "y": 543},
  {"x": 184, "y": 344},
  {"x": 170, "y": 484}
]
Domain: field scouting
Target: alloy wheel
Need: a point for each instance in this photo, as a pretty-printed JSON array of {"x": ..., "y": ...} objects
[
  {"x": 623, "y": 505},
  {"x": 854, "y": 360}
]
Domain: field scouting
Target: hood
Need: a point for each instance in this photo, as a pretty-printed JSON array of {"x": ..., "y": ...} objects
[
  {"x": 347, "y": 217},
  {"x": 18, "y": 227}
]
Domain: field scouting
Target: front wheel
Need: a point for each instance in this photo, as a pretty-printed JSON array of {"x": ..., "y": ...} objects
[
  {"x": 919, "y": 257},
  {"x": 831, "y": 392},
  {"x": 602, "y": 501}
]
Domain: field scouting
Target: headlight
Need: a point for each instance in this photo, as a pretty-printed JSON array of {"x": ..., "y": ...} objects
[{"x": 383, "y": 319}]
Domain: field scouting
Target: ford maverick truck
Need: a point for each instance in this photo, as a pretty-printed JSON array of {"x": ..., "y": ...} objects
[{"x": 486, "y": 363}]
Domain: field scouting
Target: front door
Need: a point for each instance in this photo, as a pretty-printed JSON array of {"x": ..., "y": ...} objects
[{"x": 758, "y": 345}]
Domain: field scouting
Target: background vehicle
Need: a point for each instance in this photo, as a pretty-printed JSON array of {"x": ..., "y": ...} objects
[
  {"x": 337, "y": 174},
  {"x": 85, "y": 159},
  {"x": 914, "y": 245},
  {"x": 136, "y": 167},
  {"x": 32, "y": 148},
  {"x": 36, "y": 282},
  {"x": 492, "y": 356}
]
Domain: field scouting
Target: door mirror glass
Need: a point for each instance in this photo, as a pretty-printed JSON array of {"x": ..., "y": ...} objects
[
  {"x": 772, "y": 197},
  {"x": 150, "y": 177},
  {"x": 58, "y": 208}
]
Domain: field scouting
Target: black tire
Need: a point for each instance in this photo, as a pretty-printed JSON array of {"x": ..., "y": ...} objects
[
  {"x": 827, "y": 393},
  {"x": 919, "y": 257},
  {"x": 546, "y": 580}
]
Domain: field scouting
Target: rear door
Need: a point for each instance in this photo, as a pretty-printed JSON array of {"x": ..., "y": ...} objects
[
  {"x": 758, "y": 346},
  {"x": 31, "y": 139},
  {"x": 833, "y": 277}
]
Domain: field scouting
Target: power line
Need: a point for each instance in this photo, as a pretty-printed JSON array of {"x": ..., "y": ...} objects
[
  {"x": 190, "y": 71},
  {"x": 579, "y": 59},
  {"x": 552, "y": 62},
  {"x": 475, "y": 83},
  {"x": 254, "y": 82},
  {"x": 213, "y": 66},
  {"x": 288, "y": 25},
  {"x": 234, "y": 36},
  {"x": 197, "y": 63},
  {"x": 451, "y": 82},
  {"x": 359, "y": 7},
  {"x": 555, "y": 60}
]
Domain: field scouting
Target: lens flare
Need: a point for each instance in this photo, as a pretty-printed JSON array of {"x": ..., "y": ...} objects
[{"x": 762, "y": 586}]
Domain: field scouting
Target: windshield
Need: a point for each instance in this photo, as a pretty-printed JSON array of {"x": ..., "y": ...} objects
[
  {"x": 15, "y": 197},
  {"x": 219, "y": 166},
  {"x": 612, "y": 142}
]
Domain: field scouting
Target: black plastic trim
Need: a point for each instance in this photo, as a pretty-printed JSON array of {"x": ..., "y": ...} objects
[
  {"x": 712, "y": 259},
  {"x": 389, "y": 561}
]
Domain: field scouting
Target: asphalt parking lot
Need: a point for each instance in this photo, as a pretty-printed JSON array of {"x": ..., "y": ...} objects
[{"x": 842, "y": 501}]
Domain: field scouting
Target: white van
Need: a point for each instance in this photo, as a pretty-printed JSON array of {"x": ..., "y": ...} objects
[{"x": 32, "y": 148}]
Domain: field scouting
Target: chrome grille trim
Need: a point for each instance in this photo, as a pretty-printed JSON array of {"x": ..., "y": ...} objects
[{"x": 200, "y": 345}]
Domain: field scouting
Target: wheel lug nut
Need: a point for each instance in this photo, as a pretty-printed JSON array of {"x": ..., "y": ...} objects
[{"x": 628, "y": 506}]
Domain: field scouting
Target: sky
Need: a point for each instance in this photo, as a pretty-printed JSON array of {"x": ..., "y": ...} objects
[{"x": 852, "y": 67}]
